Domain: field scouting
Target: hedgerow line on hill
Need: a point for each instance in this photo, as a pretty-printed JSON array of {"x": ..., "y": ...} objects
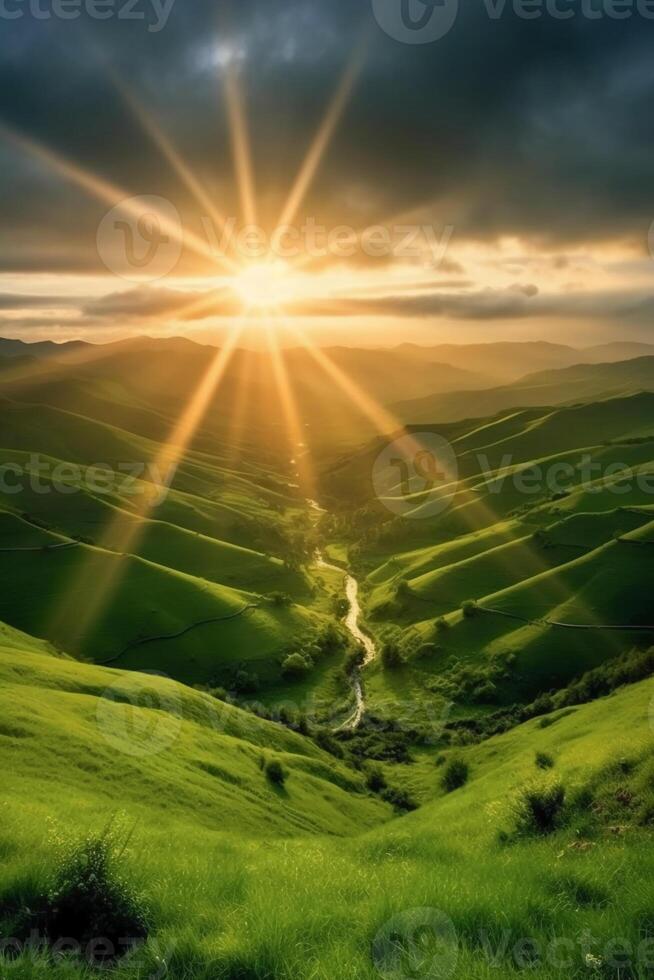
[
  {"x": 569, "y": 626},
  {"x": 43, "y": 547},
  {"x": 179, "y": 633}
]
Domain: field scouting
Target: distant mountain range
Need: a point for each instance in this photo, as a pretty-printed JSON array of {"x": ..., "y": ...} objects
[
  {"x": 580, "y": 382},
  {"x": 507, "y": 361},
  {"x": 337, "y": 395}
]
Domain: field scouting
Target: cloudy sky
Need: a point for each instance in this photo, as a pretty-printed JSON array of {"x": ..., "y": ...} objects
[{"x": 180, "y": 165}]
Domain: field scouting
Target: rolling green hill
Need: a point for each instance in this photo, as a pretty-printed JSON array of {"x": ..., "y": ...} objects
[
  {"x": 309, "y": 879},
  {"x": 137, "y": 626},
  {"x": 112, "y": 740},
  {"x": 106, "y": 564},
  {"x": 558, "y": 569}
]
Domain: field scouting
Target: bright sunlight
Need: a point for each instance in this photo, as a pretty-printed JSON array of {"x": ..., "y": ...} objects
[{"x": 266, "y": 285}]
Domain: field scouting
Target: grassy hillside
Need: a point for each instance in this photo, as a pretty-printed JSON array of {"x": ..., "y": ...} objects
[
  {"x": 230, "y": 846},
  {"x": 558, "y": 570},
  {"x": 313, "y": 879},
  {"x": 202, "y": 581},
  {"x": 112, "y": 740}
]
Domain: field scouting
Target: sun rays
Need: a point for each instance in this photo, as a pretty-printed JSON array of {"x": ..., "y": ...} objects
[{"x": 266, "y": 290}]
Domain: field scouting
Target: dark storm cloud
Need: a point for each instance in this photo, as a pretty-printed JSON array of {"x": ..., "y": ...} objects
[{"x": 536, "y": 127}]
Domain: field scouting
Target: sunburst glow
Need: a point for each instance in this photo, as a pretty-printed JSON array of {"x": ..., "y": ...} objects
[{"x": 266, "y": 285}]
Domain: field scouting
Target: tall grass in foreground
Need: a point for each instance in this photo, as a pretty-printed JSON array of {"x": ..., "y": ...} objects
[{"x": 236, "y": 909}]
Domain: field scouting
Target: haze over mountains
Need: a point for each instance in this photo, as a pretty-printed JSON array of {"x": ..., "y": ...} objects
[{"x": 155, "y": 378}]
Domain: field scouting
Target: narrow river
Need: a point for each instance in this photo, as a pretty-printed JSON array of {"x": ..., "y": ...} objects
[{"x": 351, "y": 621}]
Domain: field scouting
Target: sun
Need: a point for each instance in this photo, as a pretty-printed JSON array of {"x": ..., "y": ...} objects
[{"x": 264, "y": 285}]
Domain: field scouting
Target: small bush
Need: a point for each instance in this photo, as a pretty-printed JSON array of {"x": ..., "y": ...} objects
[
  {"x": 400, "y": 799},
  {"x": 470, "y": 609},
  {"x": 455, "y": 775},
  {"x": 275, "y": 772},
  {"x": 538, "y": 808},
  {"x": 327, "y": 742},
  {"x": 427, "y": 651},
  {"x": 544, "y": 761},
  {"x": 87, "y": 903},
  {"x": 375, "y": 779},
  {"x": 391, "y": 657},
  {"x": 280, "y": 599},
  {"x": 296, "y": 665}
]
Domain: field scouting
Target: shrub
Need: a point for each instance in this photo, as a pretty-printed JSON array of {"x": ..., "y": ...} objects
[
  {"x": 280, "y": 599},
  {"x": 375, "y": 779},
  {"x": 295, "y": 665},
  {"x": 544, "y": 761},
  {"x": 400, "y": 799},
  {"x": 427, "y": 651},
  {"x": 245, "y": 683},
  {"x": 442, "y": 625},
  {"x": 327, "y": 742},
  {"x": 455, "y": 775},
  {"x": 470, "y": 609},
  {"x": 391, "y": 657},
  {"x": 88, "y": 903},
  {"x": 538, "y": 808},
  {"x": 275, "y": 772},
  {"x": 340, "y": 606}
]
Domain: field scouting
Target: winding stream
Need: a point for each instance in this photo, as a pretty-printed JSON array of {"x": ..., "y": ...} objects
[{"x": 351, "y": 621}]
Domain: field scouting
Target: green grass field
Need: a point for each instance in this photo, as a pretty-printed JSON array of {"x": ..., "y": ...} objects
[
  {"x": 300, "y": 881},
  {"x": 174, "y": 672}
]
